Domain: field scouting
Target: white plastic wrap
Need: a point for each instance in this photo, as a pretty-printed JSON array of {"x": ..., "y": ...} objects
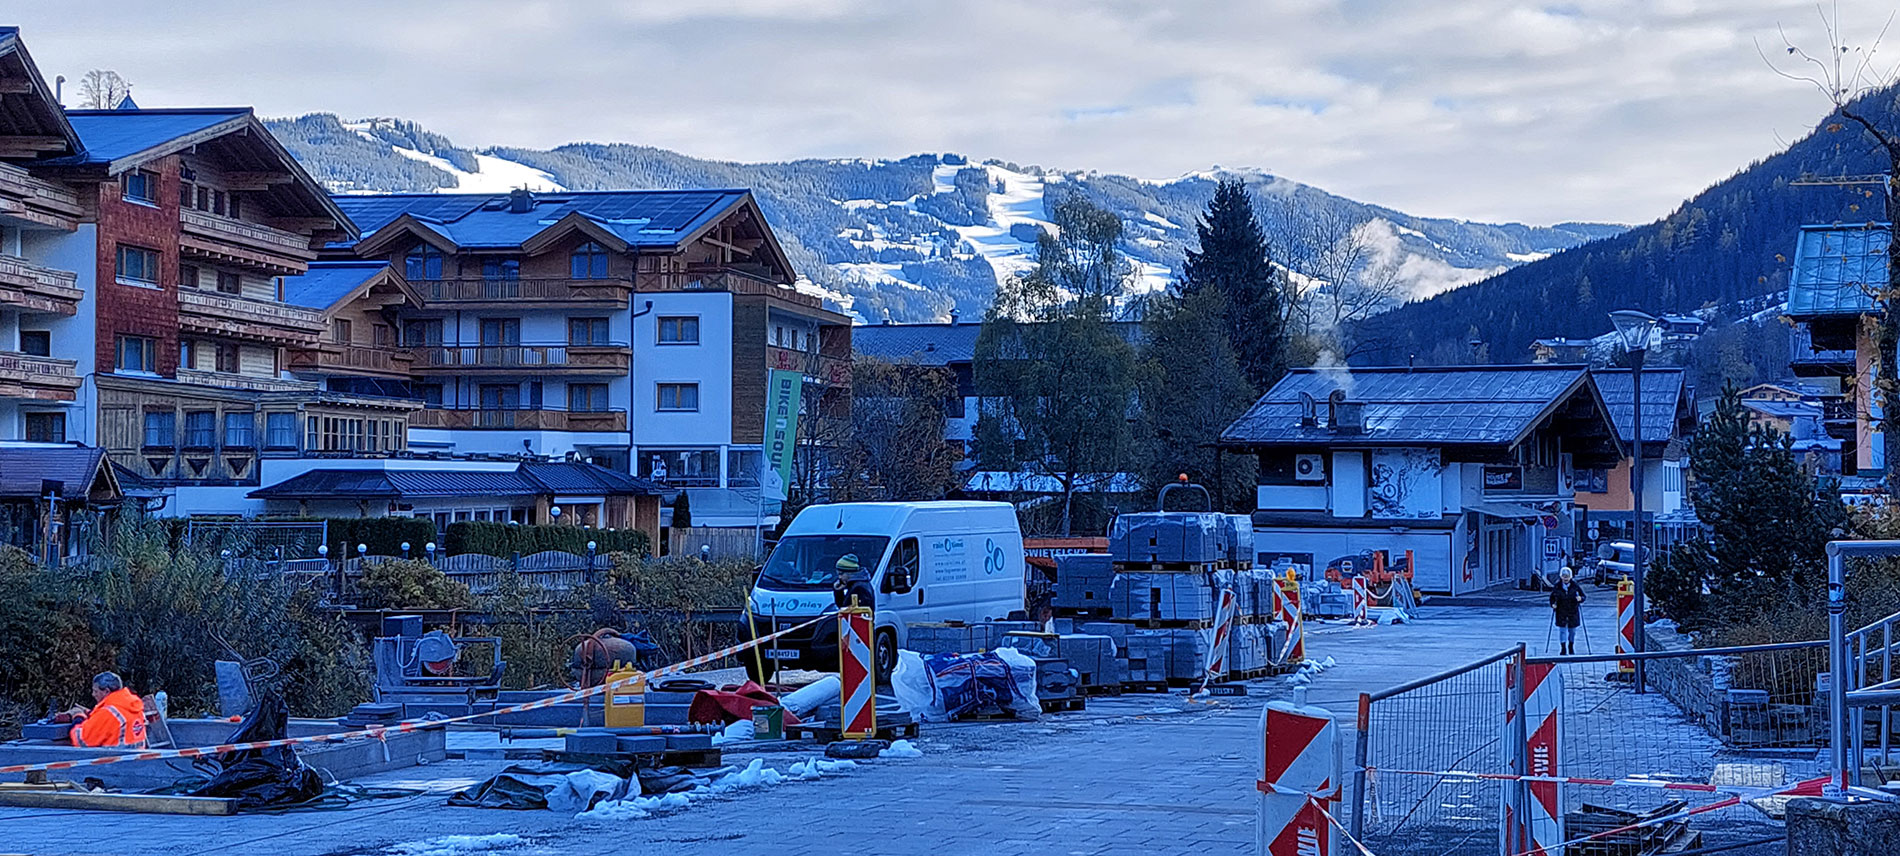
[
  {"x": 911, "y": 684},
  {"x": 805, "y": 699},
  {"x": 1022, "y": 672}
]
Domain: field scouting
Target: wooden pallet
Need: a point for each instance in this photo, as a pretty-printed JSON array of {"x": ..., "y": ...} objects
[
  {"x": 1073, "y": 703},
  {"x": 1167, "y": 623},
  {"x": 1100, "y": 690},
  {"x": 1166, "y": 567},
  {"x": 1090, "y": 614},
  {"x": 828, "y": 734},
  {"x": 1146, "y": 687},
  {"x": 668, "y": 758}
]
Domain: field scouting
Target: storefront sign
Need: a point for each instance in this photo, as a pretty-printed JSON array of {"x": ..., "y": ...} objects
[{"x": 1503, "y": 478}]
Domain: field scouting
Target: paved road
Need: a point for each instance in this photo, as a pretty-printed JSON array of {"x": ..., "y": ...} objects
[{"x": 1138, "y": 774}]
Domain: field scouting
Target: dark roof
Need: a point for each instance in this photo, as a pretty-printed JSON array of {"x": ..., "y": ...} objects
[
  {"x": 1783, "y": 409},
  {"x": 109, "y": 135},
  {"x": 35, "y": 111},
  {"x": 528, "y": 479},
  {"x": 938, "y": 344},
  {"x": 652, "y": 218},
  {"x": 23, "y": 467},
  {"x": 1836, "y": 269},
  {"x": 1662, "y": 402},
  {"x": 328, "y": 282},
  {"x": 1444, "y": 406}
]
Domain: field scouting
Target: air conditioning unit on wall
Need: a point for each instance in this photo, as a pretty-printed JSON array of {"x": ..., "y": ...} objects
[{"x": 1309, "y": 467}]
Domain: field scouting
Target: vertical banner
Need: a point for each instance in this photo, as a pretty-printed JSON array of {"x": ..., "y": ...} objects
[{"x": 783, "y": 390}]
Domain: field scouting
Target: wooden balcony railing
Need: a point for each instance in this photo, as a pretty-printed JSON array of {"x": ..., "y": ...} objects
[
  {"x": 28, "y": 197},
  {"x": 1838, "y": 410},
  {"x": 723, "y": 280},
  {"x": 38, "y": 378},
  {"x": 518, "y": 419},
  {"x": 541, "y": 291},
  {"x": 240, "y": 240},
  {"x": 254, "y": 383},
  {"x": 369, "y": 359},
  {"x": 240, "y": 317},
  {"x": 590, "y": 359},
  {"x": 35, "y": 288}
]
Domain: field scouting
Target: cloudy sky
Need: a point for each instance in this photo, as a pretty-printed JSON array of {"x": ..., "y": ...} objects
[{"x": 1490, "y": 110}]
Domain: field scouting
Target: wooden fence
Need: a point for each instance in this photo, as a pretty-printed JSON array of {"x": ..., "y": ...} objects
[{"x": 726, "y": 542}]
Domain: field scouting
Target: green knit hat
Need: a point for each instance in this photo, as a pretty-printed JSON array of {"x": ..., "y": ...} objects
[{"x": 848, "y": 562}]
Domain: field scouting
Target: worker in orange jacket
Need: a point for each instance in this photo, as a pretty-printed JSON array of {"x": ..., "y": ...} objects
[{"x": 117, "y": 718}]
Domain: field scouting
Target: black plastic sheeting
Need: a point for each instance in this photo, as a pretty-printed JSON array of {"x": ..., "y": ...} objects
[
  {"x": 262, "y": 778},
  {"x": 972, "y": 683}
]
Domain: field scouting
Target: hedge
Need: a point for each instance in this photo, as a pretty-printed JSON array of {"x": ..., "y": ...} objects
[
  {"x": 383, "y": 535},
  {"x": 507, "y": 539}
]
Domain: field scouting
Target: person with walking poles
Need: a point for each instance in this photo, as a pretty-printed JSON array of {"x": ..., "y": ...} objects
[{"x": 1566, "y": 601}]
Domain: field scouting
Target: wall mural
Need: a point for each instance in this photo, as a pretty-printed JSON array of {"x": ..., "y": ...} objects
[{"x": 1405, "y": 484}]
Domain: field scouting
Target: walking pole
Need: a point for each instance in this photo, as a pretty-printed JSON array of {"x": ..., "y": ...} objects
[
  {"x": 1587, "y": 647},
  {"x": 1547, "y": 631}
]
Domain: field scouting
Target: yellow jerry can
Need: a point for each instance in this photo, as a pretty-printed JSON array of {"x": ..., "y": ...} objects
[{"x": 626, "y": 702}]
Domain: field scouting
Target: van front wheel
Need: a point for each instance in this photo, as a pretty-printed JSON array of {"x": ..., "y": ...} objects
[{"x": 886, "y": 654}]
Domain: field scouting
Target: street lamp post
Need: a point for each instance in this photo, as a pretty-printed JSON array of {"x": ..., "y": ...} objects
[{"x": 1634, "y": 329}]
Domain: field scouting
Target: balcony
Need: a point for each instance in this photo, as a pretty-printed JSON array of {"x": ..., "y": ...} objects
[
  {"x": 37, "y": 378},
  {"x": 346, "y": 359},
  {"x": 518, "y": 419},
  {"x": 723, "y": 280},
  {"x": 543, "y": 293},
  {"x": 31, "y": 288},
  {"x": 247, "y": 318},
  {"x": 253, "y": 383},
  {"x": 222, "y": 239},
  {"x": 564, "y": 359},
  {"x": 29, "y": 198},
  {"x": 818, "y": 368}
]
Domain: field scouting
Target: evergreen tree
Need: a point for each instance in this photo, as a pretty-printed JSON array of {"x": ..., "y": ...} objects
[
  {"x": 1234, "y": 259},
  {"x": 1055, "y": 375},
  {"x": 1192, "y": 388},
  {"x": 682, "y": 511}
]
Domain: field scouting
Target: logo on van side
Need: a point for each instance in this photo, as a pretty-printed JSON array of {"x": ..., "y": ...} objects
[{"x": 992, "y": 558}]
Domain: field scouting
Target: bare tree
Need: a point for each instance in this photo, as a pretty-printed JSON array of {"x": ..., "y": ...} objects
[
  {"x": 1848, "y": 76},
  {"x": 1346, "y": 273},
  {"x": 103, "y": 89}
]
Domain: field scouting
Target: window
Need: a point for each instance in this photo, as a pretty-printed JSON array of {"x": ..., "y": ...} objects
[
  {"x": 794, "y": 338},
  {"x": 187, "y": 354},
  {"x": 188, "y": 275},
  {"x": 901, "y": 574},
  {"x": 382, "y": 335},
  {"x": 137, "y": 266},
  {"x": 137, "y": 354},
  {"x": 230, "y": 283},
  {"x": 227, "y": 355},
  {"x": 501, "y": 268},
  {"x": 217, "y": 202},
  {"x": 422, "y": 332},
  {"x": 679, "y": 396},
  {"x": 140, "y": 185},
  {"x": 501, "y": 331},
  {"x": 313, "y": 434},
  {"x": 589, "y": 261},
  {"x": 186, "y": 193},
  {"x": 587, "y": 397},
  {"x": 679, "y": 330},
  {"x": 431, "y": 393},
  {"x": 240, "y": 430},
  {"x": 280, "y": 430},
  {"x": 587, "y": 331},
  {"x": 496, "y": 396},
  {"x": 340, "y": 331},
  {"x": 159, "y": 426},
  {"x": 423, "y": 262},
  {"x": 46, "y": 427},
  {"x": 204, "y": 199},
  {"x": 234, "y": 205},
  {"x": 38, "y": 343},
  {"x": 201, "y": 429},
  {"x": 778, "y": 335}
]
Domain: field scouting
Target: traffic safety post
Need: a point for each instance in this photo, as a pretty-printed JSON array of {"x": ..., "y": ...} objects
[
  {"x": 858, "y": 673},
  {"x": 1360, "y": 598},
  {"x": 1533, "y": 810},
  {"x": 1299, "y": 780},
  {"x": 1219, "y": 635},
  {"x": 1286, "y": 609},
  {"x": 1625, "y": 625}
]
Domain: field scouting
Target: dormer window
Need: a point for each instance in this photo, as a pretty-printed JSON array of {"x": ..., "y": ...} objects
[
  {"x": 589, "y": 261},
  {"x": 423, "y": 262},
  {"x": 141, "y": 185}
]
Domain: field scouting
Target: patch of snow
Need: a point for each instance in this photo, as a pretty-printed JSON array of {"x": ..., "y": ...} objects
[
  {"x": 1019, "y": 203},
  {"x": 901, "y": 749},
  {"x": 816, "y": 768},
  {"x": 1159, "y": 220},
  {"x": 1406, "y": 230},
  {"x": 755, "y": 775},
  {"x": 459, "y": 845},
  {"x": 1526, "y": 257},
  {"x": 491, "y": 175},
  {"x": 1150, "y": 277},
  {"x": 861, "y": 204}
]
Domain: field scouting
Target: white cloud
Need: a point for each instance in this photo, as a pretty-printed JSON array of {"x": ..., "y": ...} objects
[{"x": 1486, "y": 109}]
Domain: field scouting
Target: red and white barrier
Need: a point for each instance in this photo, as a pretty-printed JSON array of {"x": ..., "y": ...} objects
[
  {"x": 1286, "y": 610},
  {"x": 858, "y": 706},
  {"x": 1626, "y": 624},
  {"x": 1361, "y": 600},
  {"x": 1218, "y": 636},
  {"x": 1299, "y": 774},
  {"x": 1542, "y": 687}
]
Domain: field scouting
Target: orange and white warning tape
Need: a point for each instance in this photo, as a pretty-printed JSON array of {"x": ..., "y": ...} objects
[
  {"x": 383, "y": 733},
  {"x": 1570, "y": 780},
  {"x": 1806, "y": 787}
]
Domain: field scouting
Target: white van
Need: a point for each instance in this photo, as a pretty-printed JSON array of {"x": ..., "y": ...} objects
[{"x": 928, "y": 561}]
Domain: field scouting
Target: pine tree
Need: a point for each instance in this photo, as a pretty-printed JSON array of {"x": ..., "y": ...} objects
[
  {"x": 1234, "y": 259},
  {"x": 1192, "y": 388}
]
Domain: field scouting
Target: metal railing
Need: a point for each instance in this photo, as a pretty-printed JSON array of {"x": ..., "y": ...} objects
[
  {"x": 609, "y": 290},
  {"x": 610, "y": 357},
  {"x": 1851, "y": 690},
  {"x": 502, "y": 418}
]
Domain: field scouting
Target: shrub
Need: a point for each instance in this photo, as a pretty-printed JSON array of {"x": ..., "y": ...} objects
[
  {"x": 48, "y": 650},
  {"x": 384, "y": 536},
  {"x": 505, "y": 539},
  {"x": 410, "y": 584}
]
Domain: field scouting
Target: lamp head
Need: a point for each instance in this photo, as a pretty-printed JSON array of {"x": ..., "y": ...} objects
[{"x": 1633, "y": 329}]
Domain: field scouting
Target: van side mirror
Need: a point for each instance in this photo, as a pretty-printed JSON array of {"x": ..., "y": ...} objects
[{"x": 889, "y": 585}]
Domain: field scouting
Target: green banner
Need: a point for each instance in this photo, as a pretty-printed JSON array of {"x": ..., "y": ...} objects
[{"x": 782, "y": 393}]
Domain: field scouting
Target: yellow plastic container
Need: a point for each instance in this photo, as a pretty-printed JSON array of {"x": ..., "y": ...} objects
[{"x": 626, "y": 703}]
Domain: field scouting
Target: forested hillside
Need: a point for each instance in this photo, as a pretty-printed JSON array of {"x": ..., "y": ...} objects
[{"x": 1728, "y": 243}]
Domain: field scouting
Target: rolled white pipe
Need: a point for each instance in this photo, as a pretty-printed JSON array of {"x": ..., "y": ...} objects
[{"x": 805, "y": 699}]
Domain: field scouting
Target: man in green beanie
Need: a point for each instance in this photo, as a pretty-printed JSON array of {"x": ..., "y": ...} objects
[{"x": 852, "y": 582}]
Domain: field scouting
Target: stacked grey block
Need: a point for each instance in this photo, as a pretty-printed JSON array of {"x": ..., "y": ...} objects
[
  {"x": 1092, "y": 657},
  {"x": 934, "y": 638},
  {"x": 1161, "y": 596},
  {"x": 1083, "y": 579},
  {"x": 1115, "y": 668},
  {"x": 1166, "y": 537},
  {"x": 1247, "y": 648},
  {"x": 1237, "y": 533},
  {"x": 1148, "y": 652}
]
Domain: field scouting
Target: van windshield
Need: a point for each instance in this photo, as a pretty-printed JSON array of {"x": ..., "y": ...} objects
[{"x": 811, "y": 561}]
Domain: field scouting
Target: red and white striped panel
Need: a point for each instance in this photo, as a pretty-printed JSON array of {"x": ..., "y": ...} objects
[
  {"x": 1361, "y": 599},
  {"x": 1626, "y": 623},
  {"x": 1300, "y": 764},
  {"x": 1286, "y": 608},
  {"x": 1543, "y": 737},
  {"x": 1218, "y": 636},
  {"x": 858, "y": 672}
]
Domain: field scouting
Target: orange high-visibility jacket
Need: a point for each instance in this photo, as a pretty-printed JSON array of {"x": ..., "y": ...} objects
[{"x": 118, "y": 720}]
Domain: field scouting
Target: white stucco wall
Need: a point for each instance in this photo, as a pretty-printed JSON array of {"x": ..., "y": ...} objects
[{"x": 708, "y": 364}]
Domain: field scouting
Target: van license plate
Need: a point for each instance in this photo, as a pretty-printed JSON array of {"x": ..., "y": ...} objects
[{"x": 780, "y": 654}]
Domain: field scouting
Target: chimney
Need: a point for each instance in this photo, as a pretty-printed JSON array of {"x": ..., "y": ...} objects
[
  {"x": 1345, "y": 417},
  {"x": 1309, "y": 411},
  {"x": 953, "y": 317},
  {"x": 520, "y": 200}
]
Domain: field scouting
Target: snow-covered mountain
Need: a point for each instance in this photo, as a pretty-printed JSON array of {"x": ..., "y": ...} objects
[{"x": 917, "y": 238}]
